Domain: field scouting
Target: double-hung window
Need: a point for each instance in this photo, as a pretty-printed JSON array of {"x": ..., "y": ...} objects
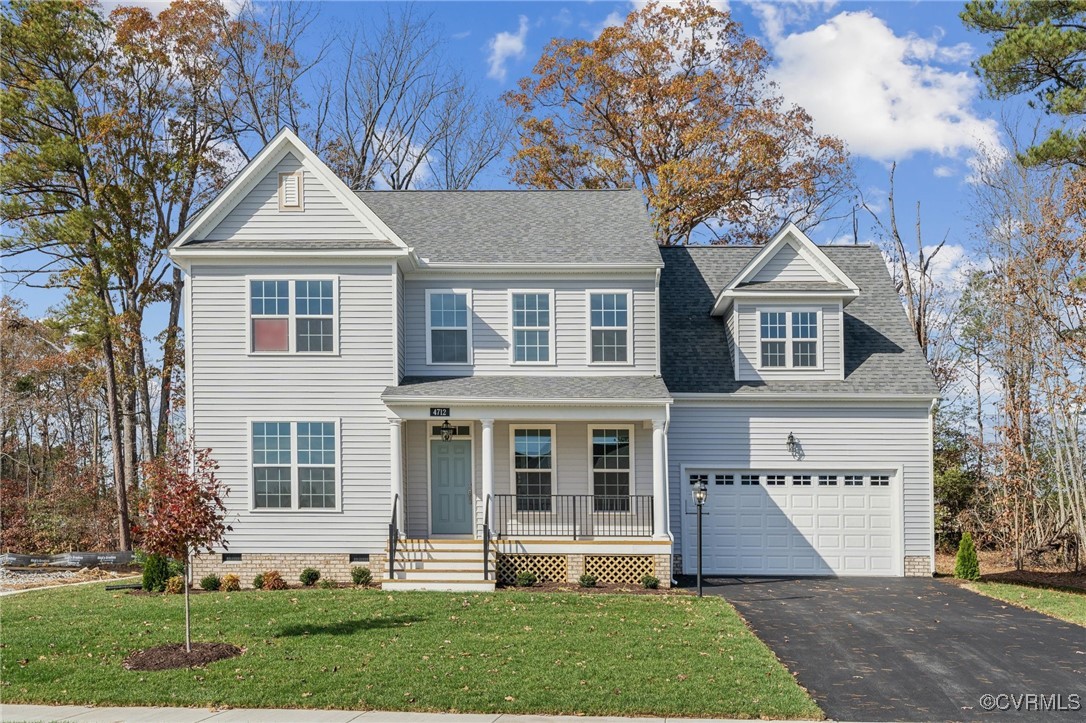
[
  {"x": 533, "y": 467},
  {"x": 294, "y": 465},
  {"x": 609, "y": 327},
  {"x": 288, "y": 315},
  {"x": 533, "y": 330},
  {"x": 612, "y": 466},
  {"x": 448, "y": 327},
  {"x": 789, "y": 339}
]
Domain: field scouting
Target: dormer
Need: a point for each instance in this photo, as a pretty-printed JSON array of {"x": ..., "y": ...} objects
[{"x": 784, "y": 311}]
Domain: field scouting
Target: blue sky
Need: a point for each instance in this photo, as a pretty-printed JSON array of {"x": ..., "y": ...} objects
[{"x": 893, "y": 79}]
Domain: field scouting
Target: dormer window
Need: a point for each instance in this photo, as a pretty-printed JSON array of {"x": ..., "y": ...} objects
[
  {"x": 789, "y": 338},
  {"x": 291, "y": 192}
]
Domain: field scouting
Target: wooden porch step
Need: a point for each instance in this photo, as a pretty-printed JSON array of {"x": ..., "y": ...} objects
[{"x": 439, "y": 585}]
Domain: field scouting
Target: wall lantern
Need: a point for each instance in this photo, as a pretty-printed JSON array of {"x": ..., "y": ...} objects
[
  {"x": 447, "y": 431},
  {"x": 793, "y": 445},
  {"x": 700, "y": 491}
]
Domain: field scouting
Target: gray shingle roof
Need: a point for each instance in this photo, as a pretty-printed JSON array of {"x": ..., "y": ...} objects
[
  {"x": 791, "y": 286},
  {"x": 881, "y": 354},
  {"x": 295, "y": 244},
  {"x": 552, "y": 387},
  {"x": 520, "y": 227}
]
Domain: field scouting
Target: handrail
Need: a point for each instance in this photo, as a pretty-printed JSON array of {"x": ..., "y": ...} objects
[
  {"x": 573, "y": 516},
  {"x": 393, "y": 537},
  {"x": 486, "y": 538}
]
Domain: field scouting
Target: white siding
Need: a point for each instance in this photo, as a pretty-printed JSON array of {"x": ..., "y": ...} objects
[
  {"x": 787, "y": 265},
  {"x": 230, "y": 387},
  {"x": 491, "y": 326},
  {"x": 257, "y": 216},
  {"x": 749, "y": 342},
  {"x": 833, "y": 437},
  {"x": 401, "y": 335}
]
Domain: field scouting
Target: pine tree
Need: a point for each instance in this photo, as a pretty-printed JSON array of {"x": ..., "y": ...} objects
[{"x": 966, "y": 566}]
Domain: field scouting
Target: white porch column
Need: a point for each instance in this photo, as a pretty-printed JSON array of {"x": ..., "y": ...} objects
[
  {"x": 488, "y": 466},
  {"x": 395, "y": 436},
  {"x": 659, "y": 483}
]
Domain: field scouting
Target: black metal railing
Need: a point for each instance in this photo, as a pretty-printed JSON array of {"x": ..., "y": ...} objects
[
  {"x": 574, "y": 516},
  {"x": 393, "y": 537},
  {"x": 486, "y": 538}
]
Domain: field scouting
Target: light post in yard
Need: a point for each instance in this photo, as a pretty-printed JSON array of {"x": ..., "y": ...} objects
[{"x": 700, "y": 491}]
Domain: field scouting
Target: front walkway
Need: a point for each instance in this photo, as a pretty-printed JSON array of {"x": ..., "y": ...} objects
[{"x": 12, "y": 713}]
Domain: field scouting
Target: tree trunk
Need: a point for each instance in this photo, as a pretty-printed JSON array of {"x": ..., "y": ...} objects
[
  {"x": 124, "y": 537},
  {"x": 188, "y": 624},
  {"x": 169, "y": 362}
]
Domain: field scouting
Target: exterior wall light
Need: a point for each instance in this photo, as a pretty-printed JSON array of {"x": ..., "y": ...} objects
[{"x": 447, "y": 431}]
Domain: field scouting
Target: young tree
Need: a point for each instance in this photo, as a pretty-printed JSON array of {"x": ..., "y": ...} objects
[
  {"x": 183, "y": 511},
  {"x": 676, "y": 101}
]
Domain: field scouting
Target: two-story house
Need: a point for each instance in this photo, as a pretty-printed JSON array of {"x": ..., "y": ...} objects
[{"x": 454, "y": 386}]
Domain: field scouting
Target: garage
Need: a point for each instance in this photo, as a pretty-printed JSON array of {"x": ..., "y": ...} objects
[{"x": 785, "y": 522}]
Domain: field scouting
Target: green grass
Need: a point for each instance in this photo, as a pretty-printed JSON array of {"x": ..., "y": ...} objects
[
  {"x": 1062, "y": 603},
  {"x": 365, "y": 649}
]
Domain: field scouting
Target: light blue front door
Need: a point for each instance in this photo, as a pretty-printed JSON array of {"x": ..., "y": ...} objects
[{"x": 450, "y": 487}]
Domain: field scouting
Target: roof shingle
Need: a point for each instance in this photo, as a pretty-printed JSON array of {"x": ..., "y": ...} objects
[{"x": 551, "y": 387}]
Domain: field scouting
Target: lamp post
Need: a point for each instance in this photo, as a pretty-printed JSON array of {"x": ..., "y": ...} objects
[{"x": 700, "y": 492}]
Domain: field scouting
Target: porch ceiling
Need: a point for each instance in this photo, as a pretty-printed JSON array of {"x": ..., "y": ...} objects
[{"x": 551, "y": 389}]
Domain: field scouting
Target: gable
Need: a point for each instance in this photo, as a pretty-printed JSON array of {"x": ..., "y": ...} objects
[{"x": 787, "y": 265}]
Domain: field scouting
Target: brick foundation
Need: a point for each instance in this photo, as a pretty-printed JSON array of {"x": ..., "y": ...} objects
[
  {"x": 574, "y": 568},
  {"x": 332, "y": 566},
  {"x": 662, "y": 569},
  {"x": 917, "y": 566},
  {"x": 676, "y": 564}
]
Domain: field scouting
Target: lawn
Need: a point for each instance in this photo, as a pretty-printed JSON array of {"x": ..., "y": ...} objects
[
  {"x": 1065, "y": 604},
  {"x": 561, "y": 653}
]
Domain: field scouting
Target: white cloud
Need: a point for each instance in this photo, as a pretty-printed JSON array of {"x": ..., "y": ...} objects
[
  {"x": 943, "y": 171},
  {"x": 461, "y": 35},
  {"x": 880, "y": 92},
  {"x": 776, "y": 16},
  {"x": 504, "y": 46}
]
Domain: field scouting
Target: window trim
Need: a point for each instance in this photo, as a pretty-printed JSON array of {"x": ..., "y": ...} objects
[
  {"x": 789, "y": 339},
  {"x": 292, "y": 316},
  {"x": 513, "y": 329},
  {"x": 513, "y": 428},
  {"x": 592, "y": 427},
  {"x": 429, "y": 329},
  {"x": 295, "y": 483},
  {"x": 589, "y": 328},
  {"x": 283, "y": 207}
]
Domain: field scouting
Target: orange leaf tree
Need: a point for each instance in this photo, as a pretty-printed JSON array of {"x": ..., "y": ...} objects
[
  {"x": 677, "y": 101},
  {"x": 183, "y": 512}
]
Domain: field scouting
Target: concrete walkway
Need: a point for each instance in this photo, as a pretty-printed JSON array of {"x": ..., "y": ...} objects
[{"x": 84, "y": 714}]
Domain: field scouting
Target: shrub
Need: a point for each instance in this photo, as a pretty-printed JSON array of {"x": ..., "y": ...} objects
[
  {"x": 230, "y": 583},
  {"x": 327, "y": 584},
  {"x": 258, "y": 582},
  {"x": 274, "y": 581},
  {"x": 361, "y": 575},
  {"x": 526, "y": 578},
  {"x": 175, "y": 567},
  {"x": 156, "y": 570},
  {"x": 211, "y": 582},
  {"x": 309, "y": 576},
  {"x": 966, "y": 566},
  {"x": 650, "y": 582},
  {"x": 175, "y": 585},
  {"x": 587, "y": 580}
]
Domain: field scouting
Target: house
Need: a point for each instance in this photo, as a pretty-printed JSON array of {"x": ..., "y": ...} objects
[{"x": 453, "y": 387}]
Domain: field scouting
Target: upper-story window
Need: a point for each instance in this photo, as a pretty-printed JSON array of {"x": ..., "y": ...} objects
[
  {"x": 609, "y": 327},
  {"x": 448, "y": 327},
  {"x": 532, "y": 327},
  {"x": 789, "y": 339},
  {"x": 292, "y": 316}
]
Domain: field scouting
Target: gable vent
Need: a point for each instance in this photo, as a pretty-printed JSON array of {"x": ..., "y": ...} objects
[{"x": 290, "y": 191}]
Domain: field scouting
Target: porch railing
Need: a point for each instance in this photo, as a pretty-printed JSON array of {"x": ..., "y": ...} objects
[{"x": 573, "y": 516}]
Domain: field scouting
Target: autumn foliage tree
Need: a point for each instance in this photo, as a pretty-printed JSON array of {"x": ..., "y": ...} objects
[
  {"x": 182, "y": 511},
  {"x": 676, "y": 101}
]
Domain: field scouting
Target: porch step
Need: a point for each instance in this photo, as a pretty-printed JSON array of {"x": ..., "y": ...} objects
[
  {"x": 440, "y": 564},
  {"x": 427, "y": 573},
  {"x": 440, "y": 585},
  {"x": 473, "y": 564}
]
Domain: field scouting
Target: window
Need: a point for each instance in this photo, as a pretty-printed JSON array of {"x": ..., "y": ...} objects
[
  {"x": 609, "y": 327},
  {"x": 307, "y": 326},
  {"x": 880, "y": 480},
  {"x": 533, "y": 466},
  {"x": 749, "y": 480},
  {"x": 724, "y": 479},
  {"x": 291, "y": 192},
  {"x": 294, "y": 465},
  {"x": 801, "y": 479},
  {"x": 612, "y": 455},
  {"x": 448, "y": 320},
  {"x": 854, "y": 480},
  {"x": 789, "y": 339},
  {"x": 699, "y": 479},
  {"x": 827, "y": 480},
  {"x": 774, "y": 480},
  {"x": 532, "y": 327}
]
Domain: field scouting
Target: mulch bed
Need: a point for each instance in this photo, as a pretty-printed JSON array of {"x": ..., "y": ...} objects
[
  {"x": 174, "y": 655},
  {"x": 997, "y": 567}
]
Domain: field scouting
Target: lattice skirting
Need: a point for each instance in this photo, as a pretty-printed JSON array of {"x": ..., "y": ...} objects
[
  {"x": 547, "y": 568},
  {"x": 620, "y": 569}
]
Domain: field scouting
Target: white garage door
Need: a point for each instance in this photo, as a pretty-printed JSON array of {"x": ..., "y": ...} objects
[{"x": 789, "y": 523}]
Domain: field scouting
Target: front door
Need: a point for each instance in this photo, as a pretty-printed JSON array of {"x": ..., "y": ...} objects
[{"x": 450, "y": 487}]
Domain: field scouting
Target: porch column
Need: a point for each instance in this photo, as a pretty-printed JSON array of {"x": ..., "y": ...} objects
[
  {"x": 395, "y": 436},
  {"x": 659, "y": 483},
  {"x": 488, "y": 466}
]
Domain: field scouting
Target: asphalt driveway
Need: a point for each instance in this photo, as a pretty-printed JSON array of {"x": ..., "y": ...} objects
[{"x": 913, "y": 649}]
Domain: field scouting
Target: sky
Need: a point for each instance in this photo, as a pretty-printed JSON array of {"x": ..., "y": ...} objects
[{"x": 892, "y": 79}]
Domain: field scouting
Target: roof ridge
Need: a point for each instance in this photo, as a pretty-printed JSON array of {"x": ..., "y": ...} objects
[
  {"x": 499, "y": 190},
  {"x": 749, "y": 247}
]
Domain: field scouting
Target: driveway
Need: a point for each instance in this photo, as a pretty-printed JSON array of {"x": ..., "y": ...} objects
[{"x": 912, "y": 649}]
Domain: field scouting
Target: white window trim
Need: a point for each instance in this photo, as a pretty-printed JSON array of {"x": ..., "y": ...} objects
[
  {"x": 292, "y": 317},
  {"x": 513, "y": 329},
  {"x": 633, "y": 456},
  {"x": 513, "y": 428},
  {"x": 788, "y": 339},
  {"x": 300, "y": 175},
  {"x": 295, "y": 485},
  {"x": 429, "y": 328},
  {"x": 628, "y": 293}
]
